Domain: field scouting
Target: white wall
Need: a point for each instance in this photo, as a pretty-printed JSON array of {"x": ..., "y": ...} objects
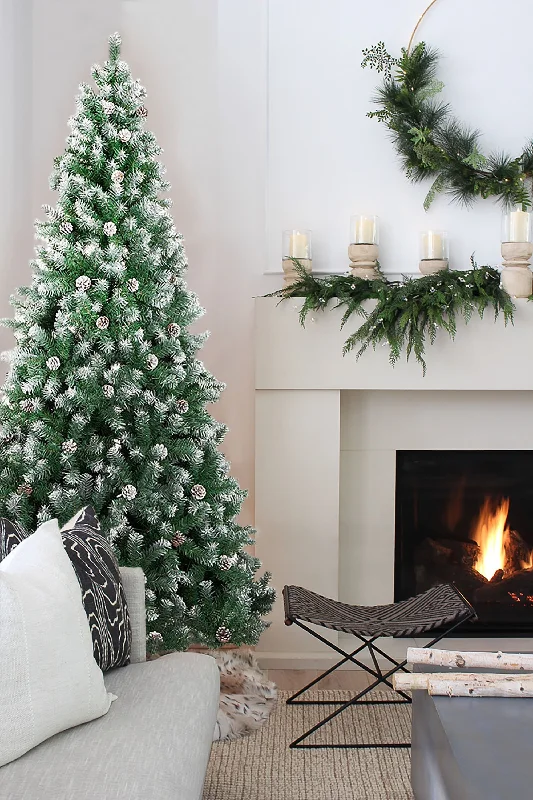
[{"x": 260, "y": 107}]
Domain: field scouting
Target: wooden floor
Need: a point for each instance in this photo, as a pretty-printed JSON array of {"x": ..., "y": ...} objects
[{"x": 293, "y": 679}]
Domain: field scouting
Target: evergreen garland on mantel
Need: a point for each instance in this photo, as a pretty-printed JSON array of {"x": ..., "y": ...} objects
[{"x": 408, "y": 313}]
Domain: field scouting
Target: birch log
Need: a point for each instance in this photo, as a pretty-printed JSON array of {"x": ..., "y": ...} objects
[
  {"x": 455, "y": 658},
  {"x": 467, "y": 684}
]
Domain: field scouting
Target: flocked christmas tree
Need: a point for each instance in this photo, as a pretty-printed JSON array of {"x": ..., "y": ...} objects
[{"x": 105, "y": 403}]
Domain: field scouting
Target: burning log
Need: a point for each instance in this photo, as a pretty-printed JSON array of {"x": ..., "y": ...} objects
[
  {"x": 470, "y": 660},
  {"x": 466, "y": 684},
  {"x": 517, "y": 587},
  {"x": 449, "y": 551},
  {"x": 517, "y": 553}
]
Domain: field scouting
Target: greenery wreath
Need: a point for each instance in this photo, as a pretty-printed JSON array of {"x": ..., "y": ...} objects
[
  {"x": 432, "y": 143},
  {"x": 407, "y": 314}
]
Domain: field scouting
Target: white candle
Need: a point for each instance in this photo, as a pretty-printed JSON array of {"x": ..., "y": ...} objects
[
  {"x": 519, "y": 226},
  {"x": 364, "y": 231},
  {"x": 432, "y": 245},
  {"x": 298, "y": 245}
]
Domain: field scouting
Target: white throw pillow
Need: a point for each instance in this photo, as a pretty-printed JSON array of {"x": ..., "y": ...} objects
[{"x": 49, "y": 680}]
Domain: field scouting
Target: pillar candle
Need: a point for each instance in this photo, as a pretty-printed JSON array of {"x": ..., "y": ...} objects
[
  {"x": 519, "y": 224},
  {"x": 298, "y": 246},
  {"x": 364, "y": 230},
  {"x": 432, "y": 246}
]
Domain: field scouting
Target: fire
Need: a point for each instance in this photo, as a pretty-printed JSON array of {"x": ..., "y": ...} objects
[{"x": 490, "y": 533}]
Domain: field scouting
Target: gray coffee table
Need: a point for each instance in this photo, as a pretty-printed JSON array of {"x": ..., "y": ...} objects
[{"x": 471, "y": 748}]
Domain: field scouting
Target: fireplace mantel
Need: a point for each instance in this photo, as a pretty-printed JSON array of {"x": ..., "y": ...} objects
[
  {"x": 301, "y": 376},
  {"x": 485, "y": 354}
]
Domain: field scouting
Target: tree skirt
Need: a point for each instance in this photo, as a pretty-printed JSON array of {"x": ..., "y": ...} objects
[
  {"x": 261, "y": 766},
  {"x": 246, "y": 695}
]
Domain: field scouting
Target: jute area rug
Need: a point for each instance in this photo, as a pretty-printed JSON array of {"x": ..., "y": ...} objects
[{"x": 261, "y": 766}]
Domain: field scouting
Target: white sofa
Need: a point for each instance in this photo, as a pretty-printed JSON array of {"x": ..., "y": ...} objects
[{"x": 153, "y": 743}]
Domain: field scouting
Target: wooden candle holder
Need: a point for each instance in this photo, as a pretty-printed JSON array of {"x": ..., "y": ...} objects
[
  {"x": 289, "y": 269},
  {"x": 516, "y": 274},
  {"x": 364, "y": 259},
  {"x": 429, "y": 266}
]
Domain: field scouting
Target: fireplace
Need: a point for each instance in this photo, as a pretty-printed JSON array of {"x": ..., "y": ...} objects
[{"x": 466, "y": 517}]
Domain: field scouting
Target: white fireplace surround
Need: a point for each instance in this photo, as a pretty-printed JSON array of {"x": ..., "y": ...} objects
[{"x": 327, "y": 431}]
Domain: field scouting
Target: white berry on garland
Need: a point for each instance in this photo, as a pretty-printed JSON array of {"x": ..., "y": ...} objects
[
  {"x": 66, "y": 227},
  {"x": 223, "y": 634},
  {"x": 129, "y": 492},
  {"x": 108, "y": 390},
  {"x": 124, "y": 135},
  {"x": 110, "y": 228},
  {"x": 102, "y": 323},
  {"x": 133, "y": 285},
  {"x": 182, "y": 406},
  {"x": 117, "y": 176},
  {"x": 69, "y": 447},
  {"x": 152, "y": 361},
  {"x": 53, "y": 363},
  {"x": 173, "y": 329},
  {"x": 198, "y": 491}
]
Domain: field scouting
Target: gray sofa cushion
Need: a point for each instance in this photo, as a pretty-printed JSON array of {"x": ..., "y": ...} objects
[{"x": 153, "y": 743}]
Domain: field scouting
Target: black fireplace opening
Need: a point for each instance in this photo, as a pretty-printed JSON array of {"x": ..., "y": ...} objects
[{"x": 466, "y": 517}]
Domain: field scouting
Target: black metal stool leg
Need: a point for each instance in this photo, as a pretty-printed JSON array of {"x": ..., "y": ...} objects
[{"x": 381, "y": 678}]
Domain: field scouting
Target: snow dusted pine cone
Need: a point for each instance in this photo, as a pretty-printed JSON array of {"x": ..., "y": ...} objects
[
  {"x": 117, "y": 176},
  {"x": 142, "y": 111},
  {"x": 198, "y": 491},
  {"x": 152, "y": 361},
  {"x": 27, "y": 405},
  {"x": 53, "y": 363},
  {"x": 177, "y": 540},
  {"x": 223, "y": 634},
  {"x": 160, "y": 451},
  {"x": 102, "y": 323},
  {"x": 66, "y": 227},
  {"x": 83, "y": 283},
  {"x": 133, "y": 285},
  {"x": 110, "y": 228},
  {"x": 226, "y": 562},
  {"x": 108, "y": 107},
  {"x": 129, "y": 492},
  {"x": 69, "y": 447},
  {"x": 124, "y": 135},
  {"x": 108, "y": 390},
  {"x": 182, "y": 406},
  {"x": 173, "y": 329}
]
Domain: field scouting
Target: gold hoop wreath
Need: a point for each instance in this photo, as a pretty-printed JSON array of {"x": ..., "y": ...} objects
[{"x": 431, "y": 142}]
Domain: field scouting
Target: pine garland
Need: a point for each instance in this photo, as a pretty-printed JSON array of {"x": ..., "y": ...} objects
[
  {"x": 432, "y": 143},
  {"x": 407, "y": 314}
]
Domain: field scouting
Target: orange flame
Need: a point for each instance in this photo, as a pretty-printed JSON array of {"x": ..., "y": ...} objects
[{"x": 491, "y": 533}]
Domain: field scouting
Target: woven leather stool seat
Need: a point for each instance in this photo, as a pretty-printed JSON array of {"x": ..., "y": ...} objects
[{"x": 440, "y": 607}]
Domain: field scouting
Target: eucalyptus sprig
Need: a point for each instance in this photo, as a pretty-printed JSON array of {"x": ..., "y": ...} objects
[
  {"x": 408, "y": 313},
  {"x": 432, "y": 143}
]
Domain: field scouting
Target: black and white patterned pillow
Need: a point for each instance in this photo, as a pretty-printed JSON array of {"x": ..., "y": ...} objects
[
  {"x": 11, "y": 535},
  {"x": 98, "y": 574}
]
